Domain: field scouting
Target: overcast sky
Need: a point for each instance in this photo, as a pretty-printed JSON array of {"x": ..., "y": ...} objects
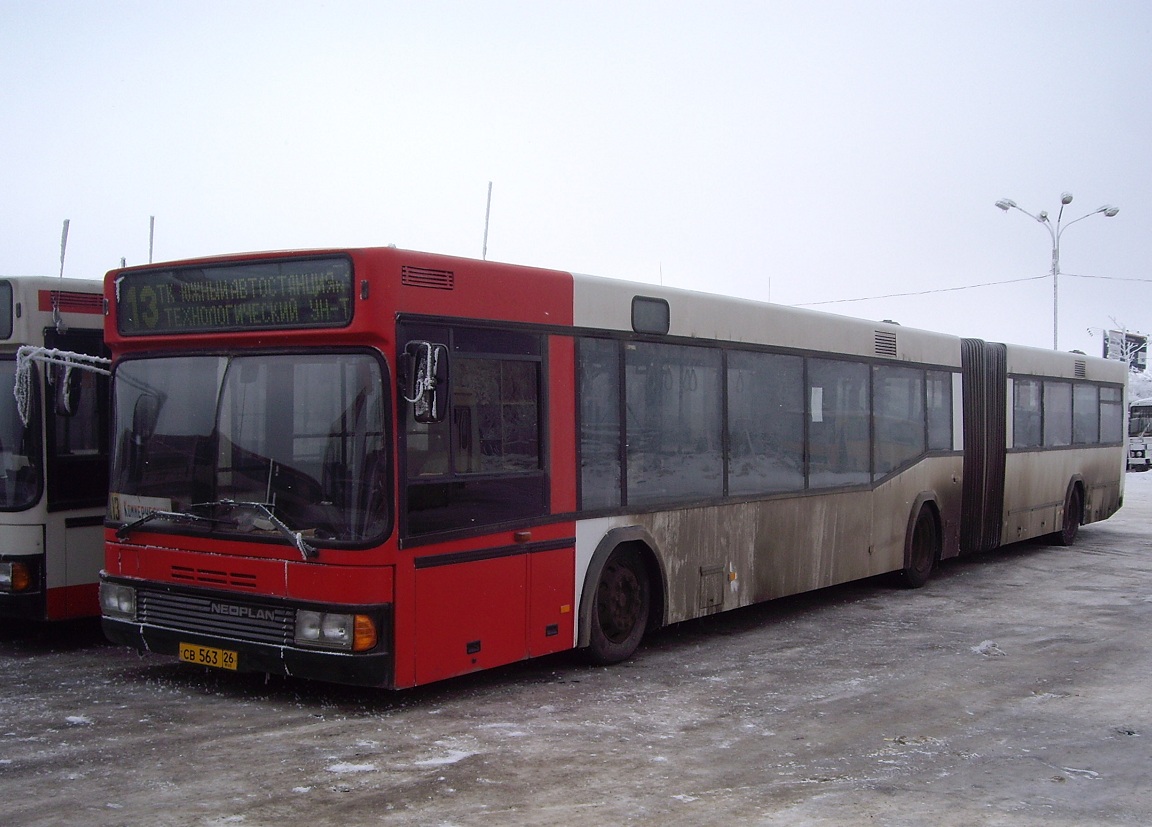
[{"x": 798, "y": 152}]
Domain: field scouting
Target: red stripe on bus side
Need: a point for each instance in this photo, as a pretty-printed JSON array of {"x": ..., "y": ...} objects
[
  {"x": 70, "y": 302},
  {"x": 69, "y": 602}
]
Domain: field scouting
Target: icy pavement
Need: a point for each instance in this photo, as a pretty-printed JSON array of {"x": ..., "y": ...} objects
[{"x": 1012, "y": 690}]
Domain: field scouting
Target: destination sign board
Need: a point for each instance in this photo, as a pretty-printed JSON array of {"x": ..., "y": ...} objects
[{"x": 254, "y": 295}]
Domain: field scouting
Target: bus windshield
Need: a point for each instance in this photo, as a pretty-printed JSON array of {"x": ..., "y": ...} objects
[
  {"x": 20, "y": 454},
  {"x": 1140, "y": 420},
  {"x": 252, "y": 445}
]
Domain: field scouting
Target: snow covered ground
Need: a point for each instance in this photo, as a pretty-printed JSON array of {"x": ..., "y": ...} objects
[{"x": 1012, "y": 690}]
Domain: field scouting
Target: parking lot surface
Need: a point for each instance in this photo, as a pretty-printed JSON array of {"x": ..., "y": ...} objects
[{"x": 1012, "y": 690}]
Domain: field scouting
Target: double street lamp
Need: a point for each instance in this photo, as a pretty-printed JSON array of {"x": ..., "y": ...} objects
[{"x": 1055, "y": 231}]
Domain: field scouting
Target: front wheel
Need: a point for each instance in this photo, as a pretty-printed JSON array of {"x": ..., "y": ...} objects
[{"x": 620, "y": 610}]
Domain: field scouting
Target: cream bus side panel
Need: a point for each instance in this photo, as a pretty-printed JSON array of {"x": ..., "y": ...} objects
[
  {"x": 76, "y": 553},
  {"x": 939, "y": 479},
  {"x": 1036, "y": 483},
  {"x": 722, "y": 557}
]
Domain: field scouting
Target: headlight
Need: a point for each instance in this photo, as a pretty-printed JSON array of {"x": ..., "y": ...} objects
[
  {"x": 15, "y": 577},
  {"x": 332, "y": 630},
  {"x": 118, "y": 601}
]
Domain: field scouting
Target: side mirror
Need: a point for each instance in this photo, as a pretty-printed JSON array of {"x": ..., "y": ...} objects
[
  {"x": 66, "y": 383},
  {"x": 425, "y": 373}
]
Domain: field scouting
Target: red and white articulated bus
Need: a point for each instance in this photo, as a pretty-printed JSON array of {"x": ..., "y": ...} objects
[
  {"x": 53, "y": 447},
  {"x": 385, "y": 467}
]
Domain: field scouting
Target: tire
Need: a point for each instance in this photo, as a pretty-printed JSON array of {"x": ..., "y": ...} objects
[
  {"x": 620, "y": 609},
  {"x": 1073, "y": 512},
  {"x": 923, "y": 547}
]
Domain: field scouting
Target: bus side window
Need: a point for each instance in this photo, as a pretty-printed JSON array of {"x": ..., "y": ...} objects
[
  {"x": 1085, "y": 414},
  {"x": 599, "y": 394},
  {"x": 427, "y": 448},
  {"x": 1057, "y": 413},
  {"x": 765, "y": 423},
  {"x": 899, "y": 420},
  {"x": 839, "y": 420},
  {"x": 465, "y": 432},
  {"x": 428, "y": 442},
  {"x": 1026, "y": 413},
  {"x": 939, "y": 389},
  {"x": 482, "y": 463},
  {"x": 674, "y": 423},
  {"x": 77, "y": 423},
  {"x": 1111, "y": 415}
]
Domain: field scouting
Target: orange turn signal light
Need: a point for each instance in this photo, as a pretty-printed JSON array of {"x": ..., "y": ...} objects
[
  {"x": 364, "y": 635},
  {"x": 21, "y": 577}
]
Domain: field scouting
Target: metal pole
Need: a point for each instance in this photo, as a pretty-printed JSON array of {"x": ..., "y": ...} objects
[
  {"x": 1055, "y": 300},
  {"x": 151, "y": 235},
  {"x": 487, "y": 214},
  {"x": 63, "y": 245},
  {"x": 1065, "y": 200},
  {"x": 1055, "y": 231}
]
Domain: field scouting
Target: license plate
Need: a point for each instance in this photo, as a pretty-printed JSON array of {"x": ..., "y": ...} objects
[{"x": 208, "y": 656}]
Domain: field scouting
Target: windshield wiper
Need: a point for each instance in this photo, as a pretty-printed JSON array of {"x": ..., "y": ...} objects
[
  {"x": 173, "y": 516},
  {"x": 296, "y": 538}
]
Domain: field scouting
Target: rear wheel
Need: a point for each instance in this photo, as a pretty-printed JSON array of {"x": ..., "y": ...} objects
[
  {"x": 1073, "y": 511},
  {"x": 920, "y": 556},
  {"x": 620, "y": 610}
]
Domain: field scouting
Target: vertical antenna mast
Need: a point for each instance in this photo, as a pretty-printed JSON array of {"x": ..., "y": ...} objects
[
  {"x": 151, "y": 235},
  {"x": 60, "y": 327},
  {"x": 63, "y": 246},
  {"x": 487, "y": 215}
]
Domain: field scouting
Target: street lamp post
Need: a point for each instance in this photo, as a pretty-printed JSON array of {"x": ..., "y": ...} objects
[{"x": 1055, "y": 232}]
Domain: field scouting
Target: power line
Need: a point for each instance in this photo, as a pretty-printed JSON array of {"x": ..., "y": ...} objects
[
  {"x": 968, "y": 287},
  {"x": 1106, "y": 278},
  {"x": 923, "y": 292}
]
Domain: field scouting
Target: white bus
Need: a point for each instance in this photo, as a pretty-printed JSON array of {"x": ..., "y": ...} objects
[
  {"x": 54, "y": 453},
  {"x": 1139, "y": 434}
]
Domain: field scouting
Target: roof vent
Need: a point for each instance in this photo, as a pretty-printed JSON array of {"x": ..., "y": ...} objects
[
  {"x": 885, "y": 343},
  {"x": 1081, "y": 369},
  {"x": 424, "y": 277}
]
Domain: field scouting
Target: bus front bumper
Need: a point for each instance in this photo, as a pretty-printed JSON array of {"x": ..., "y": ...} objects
[
  {"x": 372, "y": 669},
  {"x": 229, "y": 632}
]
